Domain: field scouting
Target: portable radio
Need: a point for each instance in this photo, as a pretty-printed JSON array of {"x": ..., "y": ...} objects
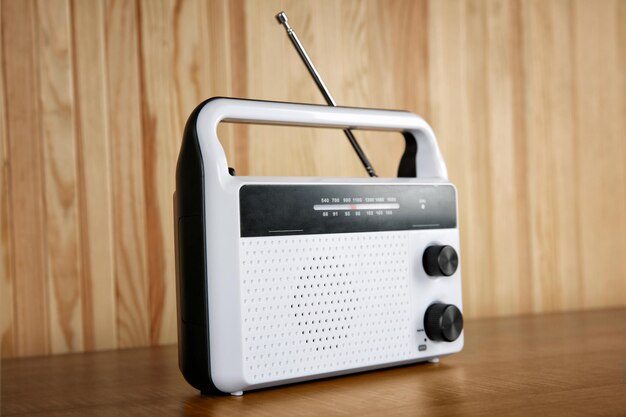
[{"x": 287, "y": 279}]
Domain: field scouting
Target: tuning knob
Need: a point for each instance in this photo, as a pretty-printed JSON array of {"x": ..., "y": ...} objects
[
  {"x": 440, "y": 260},
  {"x": 443, "y": 322}
]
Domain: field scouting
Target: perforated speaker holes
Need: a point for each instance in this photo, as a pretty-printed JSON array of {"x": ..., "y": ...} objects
[{"x": 323, "y": 303}]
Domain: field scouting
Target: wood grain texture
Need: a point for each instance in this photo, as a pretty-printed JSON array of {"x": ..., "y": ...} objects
[
  {"x": 500, "y": 27},
  {"x": 550, "y": 116},
  {"x": 527, "y": 99},
  {"x": 600, "y": 147},
  {"x": 60, "y": 176},
  {"x": 159, "y": 143},
  {"x": 550, "y": 365},
  {"x": 93, "y": 165},
  {"x": 6, "y": 256},
  {"x": 127, "y": 170},
  {"x": 26, "y": 186}
]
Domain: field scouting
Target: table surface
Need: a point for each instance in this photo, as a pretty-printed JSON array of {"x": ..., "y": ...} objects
[{"x": 566, "y": 364}]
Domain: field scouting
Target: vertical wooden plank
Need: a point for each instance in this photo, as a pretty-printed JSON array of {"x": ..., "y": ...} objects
[
  {"x": 406, "y": 65},
  {"x": 552, "y": 172},
  {"x": 620, "y": 16},
  {"x": 25, "y": 151},
  {"x": 191, "y": 70},
  {"x": 480, "y": 192},
  {"x": 7, "y": 336},
  {"x": 129, "y": 205},
  {"x": 94, "y": 167},
  {"x": 56, "y": 103},
  {"x": 499, "y": 68},
  {"x": 540, "y": 182},
  {"x": 352, "y": 52},
  {"x": 160, "y": 146},
  {"x": 201, "y": 55},
  {"x": 600, "y": 151},
  {"x": 523, "y": 287}
]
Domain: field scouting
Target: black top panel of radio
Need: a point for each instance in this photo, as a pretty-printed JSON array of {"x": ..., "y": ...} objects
[{"x": 274, "y": 210}]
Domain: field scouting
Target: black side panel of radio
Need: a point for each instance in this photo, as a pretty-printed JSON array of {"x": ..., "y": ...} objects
[{"x": 191, "y": 271}]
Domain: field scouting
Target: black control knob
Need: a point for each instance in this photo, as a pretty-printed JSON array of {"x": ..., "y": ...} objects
[
  {"x": 443, "y": 322},
  {"x": 440, "y": 260}
]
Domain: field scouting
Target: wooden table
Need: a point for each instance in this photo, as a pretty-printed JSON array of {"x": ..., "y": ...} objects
[{"x": 570, "y": 364}]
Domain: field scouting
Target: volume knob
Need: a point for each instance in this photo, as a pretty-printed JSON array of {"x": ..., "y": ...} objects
[
  {"x": 440, "y": 260},
  {"x": 443, "y": 322}
]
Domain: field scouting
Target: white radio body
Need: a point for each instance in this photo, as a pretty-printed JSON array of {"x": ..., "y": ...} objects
[{"x": 287, "y": 279}]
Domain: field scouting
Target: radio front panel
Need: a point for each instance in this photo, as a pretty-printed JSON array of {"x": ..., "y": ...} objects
[{"x": 327, "y": 303}]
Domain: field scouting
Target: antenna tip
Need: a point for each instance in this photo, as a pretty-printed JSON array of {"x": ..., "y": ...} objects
[{"x": 282, "y": 18}]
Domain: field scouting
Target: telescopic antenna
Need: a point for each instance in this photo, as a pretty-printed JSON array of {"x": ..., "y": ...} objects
[{"x": 282, "y": 19}]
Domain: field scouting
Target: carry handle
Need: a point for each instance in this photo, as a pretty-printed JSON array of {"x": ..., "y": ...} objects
[{"x": 421, "y": 158}]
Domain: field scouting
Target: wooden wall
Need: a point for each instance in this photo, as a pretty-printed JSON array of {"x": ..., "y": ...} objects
[{"x": 528, "y": 98}]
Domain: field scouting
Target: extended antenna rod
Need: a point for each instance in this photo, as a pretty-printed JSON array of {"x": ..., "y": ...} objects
[{"x": 282, "y": 19}]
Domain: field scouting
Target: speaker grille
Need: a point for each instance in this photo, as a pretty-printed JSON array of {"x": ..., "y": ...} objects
[{"x": 324, "y": 303}]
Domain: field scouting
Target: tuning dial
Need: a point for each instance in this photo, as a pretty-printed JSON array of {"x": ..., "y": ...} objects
[
  {"x": 443, "y": 322},
  {"x": 440, "y": 260}
]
